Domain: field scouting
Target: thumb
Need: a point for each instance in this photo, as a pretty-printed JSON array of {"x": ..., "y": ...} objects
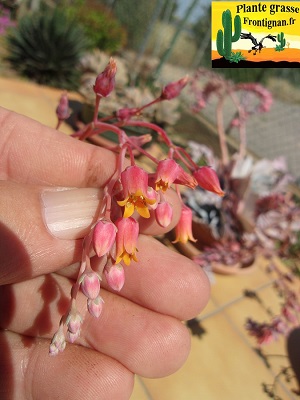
[{"x": 27, "y": 246}]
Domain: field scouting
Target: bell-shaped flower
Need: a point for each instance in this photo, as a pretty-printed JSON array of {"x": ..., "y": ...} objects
[
  {"x": 186, "y": 179},
  {"x": 90, "y": 284},
  {"x": 183, "y": 229},
  {"x": 174, "y": 89},
  {"x": 115, "y": 276},
  {"x": 104, "y": 236},
  {"x": 126, "y": 241},
  {"x": 166, "y": 173},
  {"x": 208, "y": 179},
  {"x": 95, "y": 306},
  {"x": 164, "y": 214},
  {"x": 105, "y": 82},
  {"x": 135, "y": 185}
]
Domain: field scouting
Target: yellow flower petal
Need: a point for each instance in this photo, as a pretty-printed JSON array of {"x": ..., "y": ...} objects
[
  {"x": 126, "y": 258},
  {"x": 128, "y": 210},
  {"x": 143, "y": 211}
]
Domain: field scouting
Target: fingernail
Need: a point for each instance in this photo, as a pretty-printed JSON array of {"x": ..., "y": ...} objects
[{"x": 69, "y": 213}]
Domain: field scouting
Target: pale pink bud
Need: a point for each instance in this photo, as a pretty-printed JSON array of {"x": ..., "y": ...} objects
[
  {"x": 74, "y": 322},
  {"x": 126, "y": 240},
  {"x": 163, "y": 214},
  {"x": 105, "y": 82},
  {"x": 95, "y": 306},
  {"x": 90, "y": 285},
  {"x": 174, "y": 89},
  {"x": 183, "y": 229},
  {"x": 62, "y": 110},
  {"x": 152, "y": 195},
  {"x": 104, "y": 236},
  {"x": 72, "y": 337},
  {"x": 58, "y": 342},
  {"x": 208, "y": 180},
  {"x": 115, "y": 276}
]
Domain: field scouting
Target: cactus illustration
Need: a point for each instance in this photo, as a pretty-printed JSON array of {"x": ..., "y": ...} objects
[
  {"x": 281, "y": 40},
  {"x": 225, "y": 39}
]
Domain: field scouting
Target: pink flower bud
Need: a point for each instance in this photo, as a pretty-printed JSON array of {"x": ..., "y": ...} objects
[
  {"x": 95, "y": 306},
  {"x": 105, "y": 82},
  {"x": 72, "y": 337},
  {"x": 173, "y": 89},
  {"x": 62, "y": 110},
  {"x": 183, "y": 229},
  {"x": 115, "y": 276},
  {"x": 90, "y": 285},
  {"x": 74, "y": 322},
  {"x": 163, "y": 214},
  {"x": 104, "y": 236},
  {"x": 208, "y": 180},
  {"x": 125, "y": 114},
  {"x": 58, "y": 342}
]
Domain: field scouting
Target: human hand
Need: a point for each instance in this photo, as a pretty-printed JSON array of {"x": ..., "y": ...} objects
[{"x": 140, "y": 329}]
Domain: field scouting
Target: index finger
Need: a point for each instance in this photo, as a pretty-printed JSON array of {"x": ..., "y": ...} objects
[{"x": 36, "y": 154}]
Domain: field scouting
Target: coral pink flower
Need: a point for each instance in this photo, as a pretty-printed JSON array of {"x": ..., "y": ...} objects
[
  {"x": 127, "y": 236},
  {"x": 104, "y": 236},
  {"x": 105, "y": 82},
  {"x": 135, "y": 185},
  {"x": 163, "y": 214},
  {"x": 208, "y": 180},
  {"x": 115, "y": 276},
  {"x": 90, "y": 285},
  {"x": 166, "y": 173},
  {"x": 174, "y": 89},
  {"x": 183, "y": 229},
  {"x": 186, "y": 179}
]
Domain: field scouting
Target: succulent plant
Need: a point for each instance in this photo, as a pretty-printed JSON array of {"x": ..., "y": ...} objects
[{"x": 46, "y": 46}]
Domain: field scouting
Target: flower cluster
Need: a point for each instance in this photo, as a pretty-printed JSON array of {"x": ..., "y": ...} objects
[{"x": 131, "y": 192}]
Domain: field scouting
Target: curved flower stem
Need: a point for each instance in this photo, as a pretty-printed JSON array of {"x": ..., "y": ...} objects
[
  {"x": 187, "y": 159},
  {"x": 221, "y": 132},
  {"x": 162, "y": 133},
  {"x": 149, "y": 105},
  {"x": 242, "y": 127},
  {"x": 96, "y": 109}
]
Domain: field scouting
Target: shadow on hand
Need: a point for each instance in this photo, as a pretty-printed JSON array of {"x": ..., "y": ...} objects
[
  {"x": 42, "y": 325},
  {"x": 12, "y": 255}
]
